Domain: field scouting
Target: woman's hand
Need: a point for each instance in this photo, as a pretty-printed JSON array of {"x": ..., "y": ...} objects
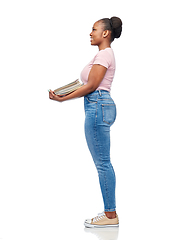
[{"x": 55, "y": 97}]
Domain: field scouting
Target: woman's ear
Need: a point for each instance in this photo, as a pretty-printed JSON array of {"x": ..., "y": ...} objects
[{"x": 105, "y": 33}]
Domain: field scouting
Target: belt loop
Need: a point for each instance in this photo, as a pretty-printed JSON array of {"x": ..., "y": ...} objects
[{"x": 99, "y": 92}]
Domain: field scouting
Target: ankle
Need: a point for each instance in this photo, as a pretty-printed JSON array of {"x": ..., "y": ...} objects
[{"x": 111, "y": 215}]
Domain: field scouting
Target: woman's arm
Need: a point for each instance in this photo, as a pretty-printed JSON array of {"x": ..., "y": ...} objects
[{"x": 96, "y": 75}]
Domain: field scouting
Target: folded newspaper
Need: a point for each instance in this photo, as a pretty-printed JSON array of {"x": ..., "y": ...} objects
[{"x": 71, "y": 87}]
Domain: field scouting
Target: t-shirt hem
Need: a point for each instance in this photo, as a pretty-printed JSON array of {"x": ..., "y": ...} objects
[{"x": 102, "y": 88}]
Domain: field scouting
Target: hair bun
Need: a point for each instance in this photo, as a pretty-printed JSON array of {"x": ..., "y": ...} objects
[{"x": 116, "y": 26}]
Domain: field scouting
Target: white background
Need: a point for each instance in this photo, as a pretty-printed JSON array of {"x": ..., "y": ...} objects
[{"x": 48, "y": 182}]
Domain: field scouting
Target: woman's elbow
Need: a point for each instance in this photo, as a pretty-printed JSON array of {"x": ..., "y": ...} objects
[{"x": 91, "y": 88}]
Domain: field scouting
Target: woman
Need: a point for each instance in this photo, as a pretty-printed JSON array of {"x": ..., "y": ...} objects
[{"x": 100, "y": 112}]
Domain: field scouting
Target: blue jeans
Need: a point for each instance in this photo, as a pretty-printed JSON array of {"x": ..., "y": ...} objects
[{"x": 100, "y": 114}]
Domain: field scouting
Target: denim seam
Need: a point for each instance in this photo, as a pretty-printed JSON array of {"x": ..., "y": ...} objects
[
  {"x": 90, "y": 101},
  {"x": 96, "y": 107},
  {"x": 104, "y": 173},
  {"x": 105, "y": 99},
  {"x": 107, "y": 194},
  {"x": 108, "y": 104},
  {"x": 96, "y": 126}
]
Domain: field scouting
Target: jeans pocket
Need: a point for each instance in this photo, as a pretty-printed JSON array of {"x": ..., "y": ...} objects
[
  {"x": 91, "y": 99},
  {"x": 109, "y": 113}
]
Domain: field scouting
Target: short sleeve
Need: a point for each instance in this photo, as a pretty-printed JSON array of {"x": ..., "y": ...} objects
[{"x": 103, "y": 58}]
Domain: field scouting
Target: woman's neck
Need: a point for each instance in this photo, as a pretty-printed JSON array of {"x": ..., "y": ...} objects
[{"x": 104, "y": 45}]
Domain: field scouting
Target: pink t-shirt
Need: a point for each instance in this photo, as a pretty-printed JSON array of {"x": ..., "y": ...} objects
[{"x": 105, "y": 58}]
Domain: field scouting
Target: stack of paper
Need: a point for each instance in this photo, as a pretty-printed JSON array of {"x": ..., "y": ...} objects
[{"x": 71, "y": 87}]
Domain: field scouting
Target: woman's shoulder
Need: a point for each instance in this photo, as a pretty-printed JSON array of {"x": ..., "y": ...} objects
[{"x": 104, "y": 57}]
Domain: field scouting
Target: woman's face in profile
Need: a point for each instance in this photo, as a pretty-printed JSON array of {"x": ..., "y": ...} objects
[{"x": 96, "y": 36}]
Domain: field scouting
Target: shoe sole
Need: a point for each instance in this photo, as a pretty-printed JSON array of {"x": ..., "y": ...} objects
[{"x": 89, "y": 225}]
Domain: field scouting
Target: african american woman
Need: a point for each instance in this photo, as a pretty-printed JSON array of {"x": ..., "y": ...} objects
[{"x": 100, "y": 113}]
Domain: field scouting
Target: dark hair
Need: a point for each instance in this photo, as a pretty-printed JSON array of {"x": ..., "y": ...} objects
[{"x": 113, "y": 24}]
